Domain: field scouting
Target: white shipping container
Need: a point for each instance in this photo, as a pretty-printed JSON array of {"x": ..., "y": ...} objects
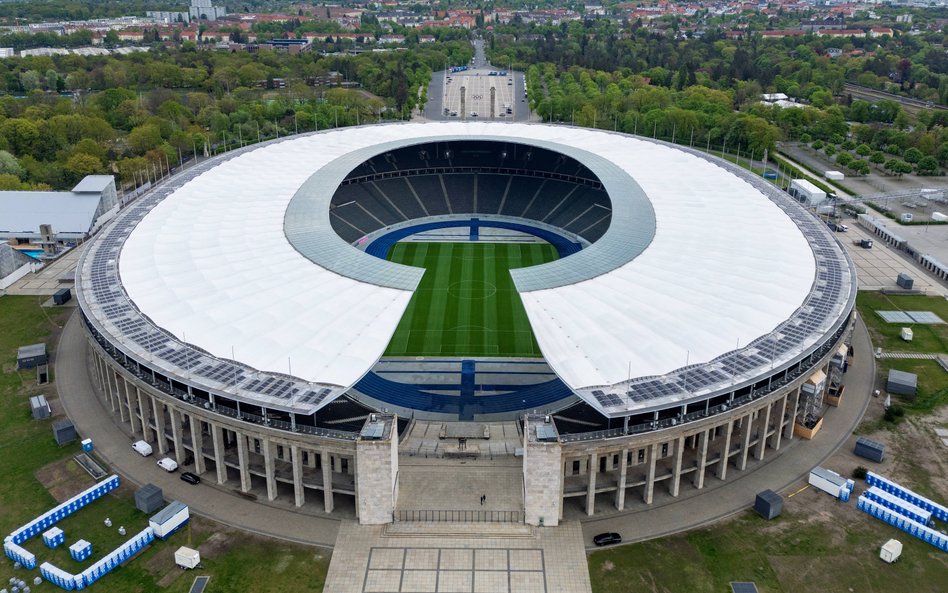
[
  {"x": 834, "y": 175},
  {"x": 827, "y": 481},
  {"x": 939, "y": 216},
  {"x": 907, "y": 334},
  {"x": 891, "y": 550},
  {"x": 168, "y": 519}
]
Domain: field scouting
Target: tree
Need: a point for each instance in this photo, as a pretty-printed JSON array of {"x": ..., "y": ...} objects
[
  {"x": 21, "y": 134},
  {"x": 928, "y": 166},
  {"x": 9, "y": 165},
  {"x": 144, "y": 138},
  {"x": 913, "y": 155},
  {"x": 860, "y": 166},
  {"x": 897, "y": 167},
  {"x": 81, "y": 164},
  {"x": 29, "y": 80},
  {"x": 863, "y": 150},
  {"x": 877, "y": 157}
]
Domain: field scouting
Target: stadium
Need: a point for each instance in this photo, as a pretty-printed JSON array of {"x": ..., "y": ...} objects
[{"x": 613, "y": 311}]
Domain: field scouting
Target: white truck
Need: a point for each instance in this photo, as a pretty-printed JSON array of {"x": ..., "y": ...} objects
[{"x": 806, "y": 192}]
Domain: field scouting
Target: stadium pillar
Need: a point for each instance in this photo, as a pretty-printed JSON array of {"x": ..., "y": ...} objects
[
  {"x": 197, "y": 445},
  {"x": 269, "y": 469},
  {"x": 243, "y": 461},
  {"x": 132, "y": 420},
  {"x": 778, "y": 429},
  {"x": 746, "y": 424},
  {"x": 702, "y": 458},
  {"x": 763, "y": 426},
  {"x": 217, "y": 437},
  {"x": 722, "y": 466},
  {"x": 650, "y": 476},
  {"x": 176, "y": 439},
  {"x": 158, "y": 411},
  {"x": 297, "y": 458},
  {"x": 593, "y": 464},
  {"x": 793, "y": 414},
  {"x": 623, "y": 471},
  {"x": 324, "y": 459},
  {"x": 143, "y": 412},
  {"x": 676, "y": 472}
]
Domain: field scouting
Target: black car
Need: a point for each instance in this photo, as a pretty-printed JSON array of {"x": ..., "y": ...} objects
[
  {"x": 191, "y": 478},
  {"x": 607, "y": 539}
]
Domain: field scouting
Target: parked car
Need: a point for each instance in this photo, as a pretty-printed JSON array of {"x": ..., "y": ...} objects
[
  {"x": 607, "y": 539},
  {"x": 191, "y": 478},
  {"x": 168, "y": 464},
  {"x": 142, "y": 448}
]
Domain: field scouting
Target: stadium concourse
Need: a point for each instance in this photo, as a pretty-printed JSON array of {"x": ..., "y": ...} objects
[{"x": 370, "y": 325}]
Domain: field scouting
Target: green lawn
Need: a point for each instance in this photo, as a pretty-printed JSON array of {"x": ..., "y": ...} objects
[
  {"x": 831, "y": 552},
  {"x": 466, "y": 304},
  {"x": 926, "y": 338},
  {"x": 236, "y": 561}
]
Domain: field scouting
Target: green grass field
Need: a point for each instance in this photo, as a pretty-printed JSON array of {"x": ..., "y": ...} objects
[{"x": 466, "y": 304}]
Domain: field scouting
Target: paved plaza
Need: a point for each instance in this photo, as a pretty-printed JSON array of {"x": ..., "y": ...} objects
[
  {"x": 505, "y": 559},
  {"x": 878, "y": 267}
]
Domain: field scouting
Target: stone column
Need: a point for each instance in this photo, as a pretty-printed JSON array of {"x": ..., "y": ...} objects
[
  {"x": 702, "y": 458},
  {"x": 676, "y": 471},
  {"x": 297, "y": 459},
  {"x": 176, "y": 436},
  {"x": 793, "y": 414},
  {"x": 746, "y": 424},
  {"x": 243, "y": 460},
  {"x": 158, "y": 410},
  {"x": 543, "y": 472},
  {"x": 132, "y": 412},
  {"x": 197, "y": 444},
  {"x": 763, "y": 425},
  {"x": 217, "y": 437},
  {"x": 650, "y": 476},
  {"x": 269, "y": 454},
  {"x": 722, "y": 467},
  {"x": 623, "y": 476},
  {"x": 778, "y": 429},
  {"x": 143, "y": 412},
  {"x": 591, "y": 487},
  {"x": 327, "y": 480}
]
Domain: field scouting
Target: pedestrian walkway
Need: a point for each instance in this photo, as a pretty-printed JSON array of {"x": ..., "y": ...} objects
[
  {"x": 908, "y": 355},
  {"x": 376, "y": 559}
]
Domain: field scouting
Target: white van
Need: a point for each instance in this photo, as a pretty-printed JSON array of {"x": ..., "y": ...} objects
[
  {"x": 168, "y": 464},
  {"x": 142, "y": 448}
]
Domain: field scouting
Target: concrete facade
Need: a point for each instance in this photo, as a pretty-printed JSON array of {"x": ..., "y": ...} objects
[
  {"x": 542, "y": 478},
  {"x": 559, "y": 471},
  {"x": 377, "y": 460}
]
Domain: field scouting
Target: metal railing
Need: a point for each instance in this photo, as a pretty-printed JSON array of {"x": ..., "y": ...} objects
[{"x": 475, "y": 516}]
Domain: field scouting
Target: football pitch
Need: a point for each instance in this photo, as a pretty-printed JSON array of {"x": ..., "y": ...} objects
[{"x": 466, "y": 304}]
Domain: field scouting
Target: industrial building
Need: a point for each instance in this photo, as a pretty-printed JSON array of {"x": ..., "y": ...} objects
[{"x": 680, "y": 341}]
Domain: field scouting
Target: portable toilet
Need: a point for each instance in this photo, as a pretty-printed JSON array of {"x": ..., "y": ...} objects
[
  {"x": 87, "y": 445},
  {"x": 891, "y": 550}
]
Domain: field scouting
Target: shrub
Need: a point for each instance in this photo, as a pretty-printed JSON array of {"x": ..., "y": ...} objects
[
  {"x": 860, "y": 473},
  {"x": 817, "y": 144}
]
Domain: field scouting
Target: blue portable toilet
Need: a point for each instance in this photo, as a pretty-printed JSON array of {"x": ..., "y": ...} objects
[{"x": 87, "y": 445}]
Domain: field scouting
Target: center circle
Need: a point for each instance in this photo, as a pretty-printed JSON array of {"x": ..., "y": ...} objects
[{"x": 473, "y": 290}]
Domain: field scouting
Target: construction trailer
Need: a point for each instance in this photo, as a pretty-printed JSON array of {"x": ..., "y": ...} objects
[{"x": 831, "y": 482}]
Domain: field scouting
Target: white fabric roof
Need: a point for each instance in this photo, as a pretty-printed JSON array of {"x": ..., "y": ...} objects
[{"x": 211, "y": 264}]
